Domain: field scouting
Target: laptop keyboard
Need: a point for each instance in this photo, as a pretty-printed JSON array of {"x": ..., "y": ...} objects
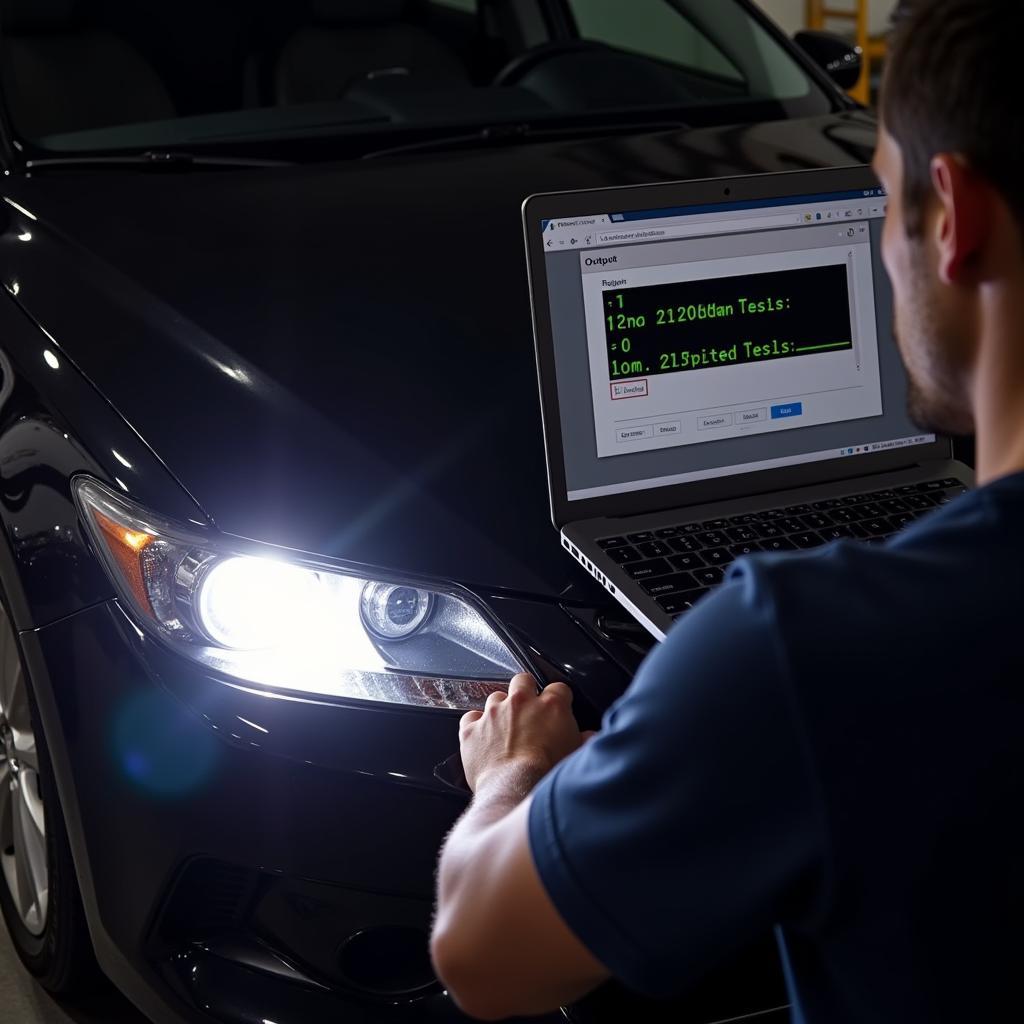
[{"x": 678, "y": 565}]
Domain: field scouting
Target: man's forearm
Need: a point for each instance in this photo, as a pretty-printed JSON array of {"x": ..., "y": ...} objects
[
  {"x": 499, "y": 792},
  {"x": 477, "y": 861},
  {"x": 498, "y": 944}
]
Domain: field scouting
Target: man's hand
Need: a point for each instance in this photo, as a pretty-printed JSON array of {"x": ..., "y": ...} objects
[
  {"x": 498, "y": 943},
  {"x": 523, "y": 729}
]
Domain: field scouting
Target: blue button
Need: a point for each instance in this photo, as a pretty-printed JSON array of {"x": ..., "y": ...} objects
[{"x": 780, "y": 412}]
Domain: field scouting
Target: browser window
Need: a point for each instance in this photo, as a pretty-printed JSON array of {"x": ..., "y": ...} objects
[
  {"x": 703, "y": 341},
  {"x": 749, "y": 332}
]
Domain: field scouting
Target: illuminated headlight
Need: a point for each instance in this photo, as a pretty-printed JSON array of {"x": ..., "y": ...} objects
[{"x": 249, "y": 613}]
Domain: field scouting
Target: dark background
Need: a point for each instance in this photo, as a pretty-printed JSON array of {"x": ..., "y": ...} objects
[{"x": 816, "y": 312}]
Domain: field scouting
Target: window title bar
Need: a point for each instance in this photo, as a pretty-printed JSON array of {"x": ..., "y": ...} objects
[{"x": 749, "y": 204}]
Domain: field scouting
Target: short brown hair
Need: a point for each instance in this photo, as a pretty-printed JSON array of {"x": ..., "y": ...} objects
[{"x": 953, "y": 85}]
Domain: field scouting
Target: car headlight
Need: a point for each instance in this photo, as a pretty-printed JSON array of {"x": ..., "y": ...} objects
[{"x": 248, "y": 612}]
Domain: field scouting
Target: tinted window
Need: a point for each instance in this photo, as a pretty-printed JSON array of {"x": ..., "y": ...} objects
[
  {"x": 716, "y": 39},
  {"x": 653, "y": 29},
  {"x": 271, "y": 75}
]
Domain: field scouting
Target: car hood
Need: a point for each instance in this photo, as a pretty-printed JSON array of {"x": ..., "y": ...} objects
[{"x": 339, "y": 358}]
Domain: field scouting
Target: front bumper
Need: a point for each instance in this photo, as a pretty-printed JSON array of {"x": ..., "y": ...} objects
[{"x": 247, "y": 857}]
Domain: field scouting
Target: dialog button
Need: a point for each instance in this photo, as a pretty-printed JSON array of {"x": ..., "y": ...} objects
[
  {"x": 667, "y": 429},
  {"x": 636, "y": 388},
  {"x": 781, "y": 412},
  {"x": 633, "y": 433},
  {"x": 745, "y": 416},
  {"x": 720, "y": 419}
]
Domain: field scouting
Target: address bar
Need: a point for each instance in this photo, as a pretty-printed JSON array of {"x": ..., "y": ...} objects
[{"x": 708, "y": 227}]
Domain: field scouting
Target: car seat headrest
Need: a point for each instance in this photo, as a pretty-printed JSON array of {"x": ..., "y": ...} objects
[
  {"x": 19, "y": 17},
  {"x": 358, "y": 12}
]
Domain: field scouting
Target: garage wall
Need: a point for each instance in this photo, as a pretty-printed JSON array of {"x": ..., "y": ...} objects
[{"x": 790, "y": 13}]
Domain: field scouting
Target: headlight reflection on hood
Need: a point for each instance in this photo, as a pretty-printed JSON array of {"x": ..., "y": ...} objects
[{"x": 262, "y": 619}]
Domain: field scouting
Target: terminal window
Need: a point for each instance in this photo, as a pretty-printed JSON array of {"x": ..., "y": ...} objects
[
  {"x": 691, "y": 350},
  {"x": 693, "y": 325}
]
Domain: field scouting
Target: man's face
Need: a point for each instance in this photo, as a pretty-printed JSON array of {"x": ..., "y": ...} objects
[{"x": 931, "y": 332}]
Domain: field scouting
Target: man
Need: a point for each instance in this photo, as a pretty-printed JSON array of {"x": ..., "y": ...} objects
[{"x": 833, "y": 743}]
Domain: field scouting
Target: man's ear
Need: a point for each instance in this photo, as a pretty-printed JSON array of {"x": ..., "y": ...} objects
[{"x": 964, "y": 217}]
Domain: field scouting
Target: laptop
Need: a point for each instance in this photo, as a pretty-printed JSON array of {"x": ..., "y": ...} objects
[{"x": 718, "y": 377}]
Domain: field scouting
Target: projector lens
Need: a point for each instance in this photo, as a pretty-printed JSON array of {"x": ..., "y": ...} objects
[{"x": 394, "y": 612}]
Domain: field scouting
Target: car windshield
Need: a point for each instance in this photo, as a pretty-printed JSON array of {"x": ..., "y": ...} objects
[{"x": 270, "y": 77}]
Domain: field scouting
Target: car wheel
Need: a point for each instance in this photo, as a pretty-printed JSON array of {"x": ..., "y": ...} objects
[{"x": 39, "y": 894}]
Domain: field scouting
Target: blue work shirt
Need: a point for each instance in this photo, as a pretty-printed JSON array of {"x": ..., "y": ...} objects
[{"x": 832, "y": 744}]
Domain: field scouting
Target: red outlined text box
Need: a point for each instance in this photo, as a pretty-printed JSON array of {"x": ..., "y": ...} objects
[{"x": 635, "y": 382}]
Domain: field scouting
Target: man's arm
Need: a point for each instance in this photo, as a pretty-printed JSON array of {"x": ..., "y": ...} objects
[
  {"x": 498, "y": 943},
  {"x": 690, "y": 826}
]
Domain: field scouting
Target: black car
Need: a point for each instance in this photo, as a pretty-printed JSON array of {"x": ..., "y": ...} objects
[{"x": 271, "y": 472}]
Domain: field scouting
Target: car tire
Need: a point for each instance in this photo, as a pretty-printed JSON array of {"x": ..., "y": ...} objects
[{"x": 39, "y": 896}]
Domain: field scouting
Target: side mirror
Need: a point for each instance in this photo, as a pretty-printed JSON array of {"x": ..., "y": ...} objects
[{"x": 834, "y": 54}]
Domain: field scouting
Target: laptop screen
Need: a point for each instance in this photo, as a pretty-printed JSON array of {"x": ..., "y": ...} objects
[{"x": 704, "y": 341}]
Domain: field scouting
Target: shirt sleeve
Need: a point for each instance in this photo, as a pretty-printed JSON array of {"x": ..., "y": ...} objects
[{"x": 690, "y": 825}]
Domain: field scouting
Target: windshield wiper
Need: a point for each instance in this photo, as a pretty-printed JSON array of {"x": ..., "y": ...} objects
[
  {"x": 522, "y": 131},
  {"x": 154, "y": 159}
]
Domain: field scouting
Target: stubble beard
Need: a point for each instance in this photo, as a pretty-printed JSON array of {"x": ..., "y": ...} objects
[{"x": 932, "y": 354}]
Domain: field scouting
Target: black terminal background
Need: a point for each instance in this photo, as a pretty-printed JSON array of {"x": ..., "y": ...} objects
[{"x": 816, "y": 312}]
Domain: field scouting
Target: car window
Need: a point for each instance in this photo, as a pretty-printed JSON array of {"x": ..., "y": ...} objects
[
  {"x": 653, "y": 29},
  {"x": 298, "y": 79},
  {"x": 717, "y": 39}
]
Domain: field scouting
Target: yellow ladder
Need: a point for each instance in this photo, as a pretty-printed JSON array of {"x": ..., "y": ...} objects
[{"x": 819, "y": 13}]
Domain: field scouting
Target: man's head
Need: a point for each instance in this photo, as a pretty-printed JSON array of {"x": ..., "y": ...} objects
[{"x": 951, "y": 155}]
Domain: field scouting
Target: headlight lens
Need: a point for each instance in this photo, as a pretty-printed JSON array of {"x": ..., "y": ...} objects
[
  {"x": 393, "y": 612},
  {"x": 258, "y": 617}
]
